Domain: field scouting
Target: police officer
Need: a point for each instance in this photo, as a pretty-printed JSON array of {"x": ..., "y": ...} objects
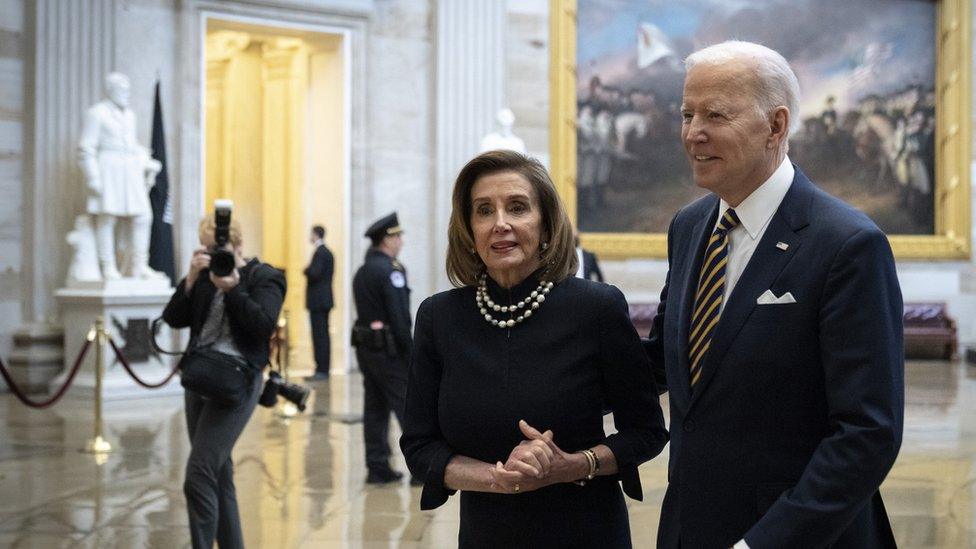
[{"x": 381, "y": 336}]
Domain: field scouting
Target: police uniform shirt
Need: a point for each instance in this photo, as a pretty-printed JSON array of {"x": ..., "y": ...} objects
[{"x": 381, "y": 293}]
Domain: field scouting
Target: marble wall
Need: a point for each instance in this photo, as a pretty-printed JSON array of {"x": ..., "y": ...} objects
[
  {"x": 400, "y": 128},
  {"x": 12, "y": 119},
  {"x": 527, "y": 72}
]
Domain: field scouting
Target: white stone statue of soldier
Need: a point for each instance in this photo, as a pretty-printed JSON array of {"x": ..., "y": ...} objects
[
  {"x": 503, "y": 138},
  {"x": 119, "y": 173}
]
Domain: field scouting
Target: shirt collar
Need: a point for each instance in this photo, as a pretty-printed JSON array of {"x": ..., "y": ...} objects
[
  {"x": 758, "y": 208},
  {"x": 318, "y": 243}
]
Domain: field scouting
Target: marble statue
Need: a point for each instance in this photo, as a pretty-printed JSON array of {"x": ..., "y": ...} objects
[
  {"x": 119, "y": 173},
  {"x": 84, "y": 258},
  {"x": 503, "y": 138}
]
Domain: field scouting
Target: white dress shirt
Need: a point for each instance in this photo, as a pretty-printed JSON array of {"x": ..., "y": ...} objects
[
  {"x": 754, "y": 213},
  {"x": 580, "y": 272}
]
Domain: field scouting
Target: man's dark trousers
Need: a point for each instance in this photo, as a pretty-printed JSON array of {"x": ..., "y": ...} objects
[{"x": 321, "y": 342}]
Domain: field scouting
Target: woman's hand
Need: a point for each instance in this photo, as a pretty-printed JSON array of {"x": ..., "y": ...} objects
[
  {"x": 199, "y": 262},
  {"x": 514, "y": 482},
  {"x": 532, "y": 457},
  {"x": 564, "y": 467},
  {"x": 561, "y": 467}
]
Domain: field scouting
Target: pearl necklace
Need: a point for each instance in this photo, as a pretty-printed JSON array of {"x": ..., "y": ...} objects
[{"x": 527, "y": 305}]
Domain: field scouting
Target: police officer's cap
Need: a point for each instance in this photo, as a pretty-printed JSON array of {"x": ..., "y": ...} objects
[{"x": 384, "y": 226}]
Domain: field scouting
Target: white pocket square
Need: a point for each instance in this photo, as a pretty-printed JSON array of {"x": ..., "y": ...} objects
[{"x": 769, "y": 298}]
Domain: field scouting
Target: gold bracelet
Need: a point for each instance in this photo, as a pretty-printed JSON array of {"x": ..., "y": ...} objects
[
  {"x": 594, "y": 466},
  {"x": 591, "y": 460}
]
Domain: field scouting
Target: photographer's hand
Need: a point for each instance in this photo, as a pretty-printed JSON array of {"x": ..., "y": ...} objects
[
  {"x": 199, "y": 262},
  {"x": 226, "y": 283}
]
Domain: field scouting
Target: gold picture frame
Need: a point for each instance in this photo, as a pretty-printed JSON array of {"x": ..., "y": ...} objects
[{"x": 952, "y": 216}]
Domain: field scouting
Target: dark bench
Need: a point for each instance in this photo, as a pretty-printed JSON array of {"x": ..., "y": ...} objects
[
  {"x": 642, "y": 315},
  {"x": 930, "y": 334}
]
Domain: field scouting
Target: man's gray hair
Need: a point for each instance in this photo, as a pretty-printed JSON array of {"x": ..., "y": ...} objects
[{"x": 777, "y": 84}]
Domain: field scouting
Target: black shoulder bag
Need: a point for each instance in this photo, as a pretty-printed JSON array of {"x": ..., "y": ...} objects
[{"x": 216, "y": 376}]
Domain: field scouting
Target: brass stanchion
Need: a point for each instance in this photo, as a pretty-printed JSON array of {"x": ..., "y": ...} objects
[
  {"x": 286, "y": 409},
  {"x": 98, "y": 445}
]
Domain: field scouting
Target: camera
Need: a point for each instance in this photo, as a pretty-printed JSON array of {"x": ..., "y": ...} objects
[
  {"x": 222, "y": 262},
  {"x": 274, "y": 386}
]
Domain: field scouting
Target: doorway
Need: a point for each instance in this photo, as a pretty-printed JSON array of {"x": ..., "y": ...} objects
[{"x": 276, "y": 143}]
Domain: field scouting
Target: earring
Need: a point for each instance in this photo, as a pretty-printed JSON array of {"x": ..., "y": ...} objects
[
  {"x": 473, "y": 251},
  {"x": 545, "y": 246}
]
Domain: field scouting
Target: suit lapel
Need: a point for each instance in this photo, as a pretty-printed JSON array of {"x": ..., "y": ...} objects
[
  {"x": 763, "y": 268},
  {"x": 689, "y": 286}
]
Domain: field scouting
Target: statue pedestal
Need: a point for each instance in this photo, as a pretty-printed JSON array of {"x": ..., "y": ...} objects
[
  {"x": 128, "y": 306},
  {"x": 37, "y": 356}
]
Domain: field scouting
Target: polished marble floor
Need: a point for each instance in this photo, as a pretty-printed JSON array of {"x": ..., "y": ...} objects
[{"x": 300, "y": 480}]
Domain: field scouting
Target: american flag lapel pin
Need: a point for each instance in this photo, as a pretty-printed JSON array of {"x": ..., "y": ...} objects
[{"x": 782, "y": 245}]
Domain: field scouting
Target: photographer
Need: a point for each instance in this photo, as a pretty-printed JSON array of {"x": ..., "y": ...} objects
[{"x": 231, "y": 319}]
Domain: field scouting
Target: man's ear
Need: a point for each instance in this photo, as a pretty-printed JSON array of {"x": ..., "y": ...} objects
[{"x": 779, "y": 124}]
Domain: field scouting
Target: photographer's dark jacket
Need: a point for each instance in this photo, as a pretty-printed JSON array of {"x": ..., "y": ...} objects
[{"x": 252, "y": 308}]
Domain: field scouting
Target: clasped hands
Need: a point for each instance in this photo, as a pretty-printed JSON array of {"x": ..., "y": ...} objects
[{"x": 535, "y": 463}]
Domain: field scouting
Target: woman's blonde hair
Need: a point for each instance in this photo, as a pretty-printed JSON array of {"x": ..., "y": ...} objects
[
  {"x": 463, "y": 263},
  {"x": 208, "y": 224}
]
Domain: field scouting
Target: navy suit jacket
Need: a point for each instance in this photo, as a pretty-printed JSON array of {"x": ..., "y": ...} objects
[
  {"x": 318, "y": 292},
  {"x": 797, "y": 417}
]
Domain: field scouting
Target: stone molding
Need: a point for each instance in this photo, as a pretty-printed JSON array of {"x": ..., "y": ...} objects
[{"x": 470, "y": 90}]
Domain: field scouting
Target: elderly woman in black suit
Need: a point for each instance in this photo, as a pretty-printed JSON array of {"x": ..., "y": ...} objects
[
  {"x": 233, "y": 315},
  {"x": 512, "y": 370}
]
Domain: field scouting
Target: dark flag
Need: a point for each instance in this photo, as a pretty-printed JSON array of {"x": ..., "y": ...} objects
[{"x": 161, "y": 256}]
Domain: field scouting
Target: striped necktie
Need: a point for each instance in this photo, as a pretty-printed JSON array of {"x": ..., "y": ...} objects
[{"x": 708, "y": 300}]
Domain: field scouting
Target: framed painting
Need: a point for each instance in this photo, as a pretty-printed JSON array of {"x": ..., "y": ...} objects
[{"x": 885, "y": 119}]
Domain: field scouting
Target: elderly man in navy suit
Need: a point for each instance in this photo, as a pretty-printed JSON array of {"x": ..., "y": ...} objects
[{"x": 779, "y": 333}]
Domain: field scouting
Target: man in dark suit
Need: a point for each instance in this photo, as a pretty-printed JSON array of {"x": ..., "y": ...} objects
[
  {"x": 589, "y": 268},
  {"x": 779, "y": 333},
  {"x": 318, "y": 301}
]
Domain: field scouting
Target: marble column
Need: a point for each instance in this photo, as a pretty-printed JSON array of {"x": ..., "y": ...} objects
[
  {"x": 73, "y": 45},
  {"x": 285, "y": 109},
  {"x": 470, "y": 89},
  {"x": 222, "y": 47},
  {"x": 74, "y": 50}
]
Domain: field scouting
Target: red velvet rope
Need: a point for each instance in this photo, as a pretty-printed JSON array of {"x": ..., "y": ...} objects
[
  {"x": 57, "y": 396},
  {"x": 125, "y": 364}
]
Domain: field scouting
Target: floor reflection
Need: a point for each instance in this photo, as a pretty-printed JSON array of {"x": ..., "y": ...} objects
[{"x": 300, "y": 481}]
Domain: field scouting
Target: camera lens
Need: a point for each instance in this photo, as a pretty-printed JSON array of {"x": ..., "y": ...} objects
[
  {"x": 222, "y": 262},
  {"x": 297, "y": 394},
  {"x": 274, "y": 386}
]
